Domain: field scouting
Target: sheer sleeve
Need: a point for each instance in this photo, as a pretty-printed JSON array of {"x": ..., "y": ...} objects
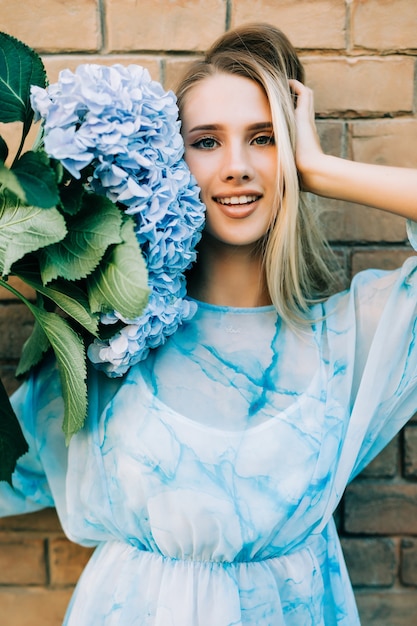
[
  {"x": 372, "y": 352},
  {"x": 39, "y": 407}
]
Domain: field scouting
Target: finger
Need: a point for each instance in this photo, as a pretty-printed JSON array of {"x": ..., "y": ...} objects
[
  {"x": 295, "y": 88},
  {"x": 303, "y": 96}
]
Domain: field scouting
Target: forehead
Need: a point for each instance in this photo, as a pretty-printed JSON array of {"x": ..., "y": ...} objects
[{"x": 225, "y": 99}]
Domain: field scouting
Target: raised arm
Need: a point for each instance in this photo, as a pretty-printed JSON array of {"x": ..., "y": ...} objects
[{"x": 392, "y": 189}]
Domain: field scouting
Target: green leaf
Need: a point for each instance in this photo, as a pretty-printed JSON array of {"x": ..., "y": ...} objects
[
  {"x": 26, "y": 229},
  {"x": 121, "y": 281},
  {"x": 74, "y": 302},
  {"x": 90, "y": 232},
  {"x": 33, "y": 350},
  {"x": 20, "y": 67},
  {"x": 4, "y": 150},
  {"x": 70, "y": 354},
  {"x": 10, "y": 182},
  {"x": 12, "y": 441},
  {"x": 68, "y": 296},
  {"x": 37, "y": 179},
  {"x": 71, "y": 194}
]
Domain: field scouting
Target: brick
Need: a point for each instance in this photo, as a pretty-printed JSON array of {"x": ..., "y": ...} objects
[
  {"x": 16, "y": 323},
  {"x": 343, "y": 259},
  {"x": 344, "y": 221},
  {"x": 45, "y": 521},
  {"x": 31, "y": 606},
  {"x": 408, "y": 572},
  {"x": 22, "y": 561},
  {"x": 53, "y": 25},
  {"x": 7, "y": 376},
  {"x": 301, "y": 20},
  {"x": 12, "y": 134},
  {"x": 18, "y": 284},
  {"x": 410, "y": 452},
  {"x": 383, "y": 24},
  {"x": 371, "y": 562},
  {"x": 385, "y": 465},
  {"x": 387, "y": 608},
  {"x": 381, "y": 508},
  {"x": 332, "y": 136},
  {"x": 382, "y": 258},
  {"x": 338, "y": 517},
  {"x": 55, "y": 63},
  {"x": 386, "y": 142},
  {"x": 67, "y": 561},
  {"x": 366, "y": 85},
  {"x": 174, "y": 69},
  {"x": 163, "y": 24}
]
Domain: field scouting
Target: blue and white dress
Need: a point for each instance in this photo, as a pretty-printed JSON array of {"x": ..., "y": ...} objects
[{"x": 208, "y": 476}]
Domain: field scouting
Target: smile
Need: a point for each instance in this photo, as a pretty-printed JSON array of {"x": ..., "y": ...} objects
[{"x": 236, "y": 200}]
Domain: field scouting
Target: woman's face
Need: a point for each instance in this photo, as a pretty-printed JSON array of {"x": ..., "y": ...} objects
[{"x": 230, "y": 149}]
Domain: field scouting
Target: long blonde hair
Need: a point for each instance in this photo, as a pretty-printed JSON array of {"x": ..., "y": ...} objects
[{"x": 297, "y": 259}]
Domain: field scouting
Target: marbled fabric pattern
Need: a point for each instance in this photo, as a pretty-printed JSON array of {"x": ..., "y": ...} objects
[{"x": 209, "y": 475}]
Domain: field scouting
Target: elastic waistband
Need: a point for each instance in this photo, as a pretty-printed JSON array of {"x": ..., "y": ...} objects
[{"x": 238, "y": 561}]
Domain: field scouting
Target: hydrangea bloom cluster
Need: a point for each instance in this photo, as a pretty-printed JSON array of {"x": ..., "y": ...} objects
[{"x": 125, "y": 127}]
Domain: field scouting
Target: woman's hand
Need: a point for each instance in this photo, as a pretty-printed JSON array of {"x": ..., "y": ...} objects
[
  {"x": 392, "y": 189},
  {"x": 309, "y": 156}
]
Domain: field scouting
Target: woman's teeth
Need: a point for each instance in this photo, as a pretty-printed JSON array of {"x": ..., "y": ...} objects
[{"x": 237, "y": 199}]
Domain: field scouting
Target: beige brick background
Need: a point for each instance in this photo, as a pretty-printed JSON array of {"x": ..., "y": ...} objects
[{"x": 360, "y": 58}]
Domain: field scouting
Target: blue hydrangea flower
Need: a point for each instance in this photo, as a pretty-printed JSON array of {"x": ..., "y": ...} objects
[{"x": 123, "y": 124}]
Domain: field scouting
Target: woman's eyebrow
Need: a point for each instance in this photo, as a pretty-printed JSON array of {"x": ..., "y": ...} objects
[
  {"x": 256, "y": 126},
  {"x": 205, "y": 127},
  {"x": 261, "y": 126}
]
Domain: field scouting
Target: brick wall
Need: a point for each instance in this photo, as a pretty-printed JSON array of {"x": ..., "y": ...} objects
[{"x": 360, "y": 59}]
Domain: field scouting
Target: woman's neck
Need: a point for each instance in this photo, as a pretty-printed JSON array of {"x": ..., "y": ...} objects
[{"x": 228, "y": 275}]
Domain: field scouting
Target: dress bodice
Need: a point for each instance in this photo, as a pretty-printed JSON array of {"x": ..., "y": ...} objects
[{"x": 228, "y": 367}]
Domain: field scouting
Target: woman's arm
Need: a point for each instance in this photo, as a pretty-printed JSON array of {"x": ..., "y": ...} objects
[{"x": 392, "y": 189}]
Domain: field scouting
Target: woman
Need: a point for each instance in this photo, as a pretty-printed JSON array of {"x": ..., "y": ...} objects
[{"x": 209, "y": 475}]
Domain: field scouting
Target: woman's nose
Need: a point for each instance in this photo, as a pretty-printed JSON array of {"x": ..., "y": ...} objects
[{"x": 236, "y": 165}]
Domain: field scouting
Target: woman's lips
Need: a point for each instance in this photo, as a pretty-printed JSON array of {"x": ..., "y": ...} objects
[{"x": 238, "y": 206}]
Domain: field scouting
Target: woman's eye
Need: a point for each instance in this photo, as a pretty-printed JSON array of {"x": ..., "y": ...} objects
[
  {"x": 205, "y": 143},
  {"x": 264, "y": 140}
]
